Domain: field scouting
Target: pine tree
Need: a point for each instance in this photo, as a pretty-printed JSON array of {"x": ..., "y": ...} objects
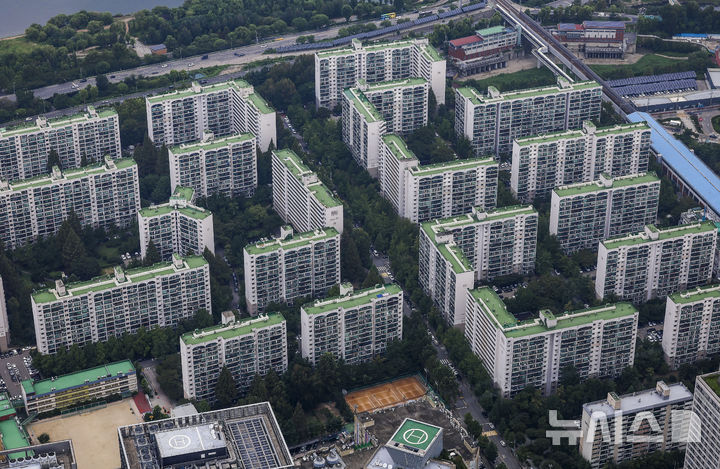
[
  {"x": 72, "y": 249},
  {"x": 152, "y": 255},
  {"x": 53, "y": 160},
  {"x": 225, "y": 391},
  {"x": 373, "y": 278}
]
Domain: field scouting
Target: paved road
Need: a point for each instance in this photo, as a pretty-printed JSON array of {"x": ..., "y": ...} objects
[{"x": 159, "y": 397}]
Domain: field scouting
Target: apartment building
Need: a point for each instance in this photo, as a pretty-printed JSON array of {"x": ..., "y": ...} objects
[
  {"x": 362, "y": 129},
  {"x": 4, "y": 323},
  {"x": 598, "y": 342},
  {"x": 300, "y": 198},
  {"x": 692, "y": 325},
  {"x": 177, "y": 227},
  {"x": 403, "y": 104},
  {"x": 62, "y": 392},
  {"x": 290, "y": 267},
  {"x": 101, "y": 196},
  {"x": 454, "y": 252},
  {"x": 487, "y": 49},
  {"x": 492, "y": 122},
  {"x": 227, "y": 108},
  {"x": 226, "y": 166},
  {"x": 620, "y": 428},
  {"x": 355, "y": 326},
  {"x": 88, "y": 136},
  {"x": 160, "y": 295},
  {"x": 583, "y": 214},
  {"x": 426, "y": 192},
  {"x": 541, "y": 163},
  {"x": 703, "y": 447},
  {"x": 656, "y": 262},
  {"x": 246, "y": 348},
  {"x": 338, "y": 69}
]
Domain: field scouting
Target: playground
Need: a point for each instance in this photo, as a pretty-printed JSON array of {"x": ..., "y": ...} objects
[
  {"x": 93, "y": 433},
  {"x": 383, "y": 396}
]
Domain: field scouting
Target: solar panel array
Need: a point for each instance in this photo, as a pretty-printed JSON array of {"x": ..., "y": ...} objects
[
  {"x": 380, "y": 32},
  {"x": 653, "y": 84},
  {"x": 253, "y": 443}
]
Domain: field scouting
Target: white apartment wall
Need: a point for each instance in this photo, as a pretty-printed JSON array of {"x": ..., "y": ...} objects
[
  {"x": 4, "y": 324},
  {"x": 268, "y": 131}
]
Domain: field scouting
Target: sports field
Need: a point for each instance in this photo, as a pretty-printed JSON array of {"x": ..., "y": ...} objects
[
  {"x": 94, "y": 434},
  {"x": 386, "y": 395}
]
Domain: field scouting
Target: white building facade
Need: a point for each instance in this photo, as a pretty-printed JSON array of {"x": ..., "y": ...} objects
[{"x": 703, "y": 449}]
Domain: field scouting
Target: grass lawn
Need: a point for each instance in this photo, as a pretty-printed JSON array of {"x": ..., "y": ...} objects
[
  {"x": 17, "y": 45},
  {"x": 531, "y": 78},
  {"x": 716, "y": 123},
  {"x": 109, "y": 256},
  {"x": 651, "y": 64}
]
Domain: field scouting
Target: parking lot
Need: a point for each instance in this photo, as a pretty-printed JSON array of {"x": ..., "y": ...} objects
[{"x": 13, "y": 370}]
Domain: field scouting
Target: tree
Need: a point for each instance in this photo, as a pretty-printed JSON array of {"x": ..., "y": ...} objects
[
  {"x": 53, "y": 160},
  {"x": 103, "y": 84},
  {"x": 43, "y": 438},
  {"x": 350, "y": 263},
  {"x": 491, "y": 452},
  {"x": 225, "y": 390},
  {"x": 152, "y": 255},
  {"x": 347, "y": 12},
  {"x": 373, "y": 278},
  {"x": 72, "y": 249}
]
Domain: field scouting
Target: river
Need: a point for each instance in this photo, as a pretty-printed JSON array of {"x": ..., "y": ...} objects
[{"x": 19, "y": 14}]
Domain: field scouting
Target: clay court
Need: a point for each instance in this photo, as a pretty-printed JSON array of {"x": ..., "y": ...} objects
[
  {"x": 386, "y": 395},
  {"x": 94, "y": 434}
]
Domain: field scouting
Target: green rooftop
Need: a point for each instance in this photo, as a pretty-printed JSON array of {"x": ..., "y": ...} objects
[
  {"x": 550, "y": 137},
  {"x": 108, "y": 282},
  {"x": 361, "y": 103},
  {"x": 71, "y": 174},
  {"x": 493, "y": 306},
  {"x": 490, "y": 31},
  {"x": 6, "y": 408},
  {"x": 351, "y": 300},
  {"x": 184, "y": 208},
  {"x": 398, "y": 147},
  {"x": 229, "y": 331},
  {"x": 55, "y": 123},
  {"x": 434, "y": 227},
  {"x": 697, "y": 294},
  {"x": 416, "y": 434},
  {"x": 526, "y": 93},
  {"x": 671, "y": 232},
  {"x": 13, "y": 436},
  {"x": 260, "y": 103},
  {"x": 455, "y": 165},
  {"x": 598, "y": 186},
  {"x": 212, "y": 144},
  {"x": 713, "y": 382},
  {"x": 80, "y": 378},
  {"x": 295, "y": 241},
  {"x": 185, "y": 193},
  {"x": 297, "y": 168},
  {"x": 455, "y": 257},
  {"x": 196, "y": 89}
]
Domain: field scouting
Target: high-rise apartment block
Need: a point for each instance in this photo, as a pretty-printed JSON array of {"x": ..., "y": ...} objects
[
  {"x": 692, "y": 325},
  {"x": 492, "y": 122},
  {"x": 101, "y": 196},
  {"x": 421, "y": 193},
  {"x": 353, "y": 327},
  {"x": 583, "y": 214},
  {"x": 626, "y": 427},
  {"x": 338, "y": 69},
  {"x": 541, "y": 163},
  {"x": 246, "y": 348},
  {"x": 227, "y": 108},
  {"x": 300, "y": 198},
  {"x": 88, "y": 136},
  {"x": 454, "y": 252},
  {"x": 362, "y": 129},
  {"x": 703, "y": 447},
  {"x": 226, "y": 166},
  {"x": 598, "y": 342},
  {"x": 109, "y": 306},
  {"x": 4, "y": 324},
  {"x": 290, "y": 267},
  {"x": 656, "y": 262},
  {"x": 177, "y": 227}
]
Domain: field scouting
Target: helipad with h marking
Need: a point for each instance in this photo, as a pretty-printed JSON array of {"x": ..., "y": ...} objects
[{"x": 415, "y": 434}]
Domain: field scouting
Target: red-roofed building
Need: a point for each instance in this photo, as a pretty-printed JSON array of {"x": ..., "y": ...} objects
[{"x": 487, "y": 49}]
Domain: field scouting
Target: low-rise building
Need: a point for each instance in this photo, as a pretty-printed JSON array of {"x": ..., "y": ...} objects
[
  {"x": 542, "y": 162},
  {"x": 160, "y": 295},
  {"x": 414, "y": 444},
  {"x": 84, "y": 137},
  {"x": 692, "y": 323},
  {"x": 102, "y": 196},
  {"x": 492, "y": 122},
  {"x": 177, "y": 227},
  {"x": 246, "y": 348},
  {"x": 656, "y": 262},
  {"x": 22, "y": 455},
  {"x": 86, "y": 386},
  {"x": 226, "y": 108},
  {"x": 454, "y": 252},
  {"x": 583, "y": 214},
  {"x": 597, "y": 342},
  {"x": 621, "y": 428},
  {"x": 426, "y": 192},
  {"x": 595, "y": 39},
  {"x": 703, "y": 447},
  {"x": 354, "y": 327},
  {"x": 300, "y": 198},
  {"x": 290, "y": 267},
  {"x": 226, "y": 165},
  {"x": 487, "y": 49}
]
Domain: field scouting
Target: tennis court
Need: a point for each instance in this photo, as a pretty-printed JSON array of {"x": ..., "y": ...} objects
[{"x": 386, "y": 395}]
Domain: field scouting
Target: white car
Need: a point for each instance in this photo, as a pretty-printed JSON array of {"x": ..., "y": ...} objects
[
  {"x": 191, "y": 64},
  {"x": 163, "y": 66},
  {"x": 502, "y": 443}
]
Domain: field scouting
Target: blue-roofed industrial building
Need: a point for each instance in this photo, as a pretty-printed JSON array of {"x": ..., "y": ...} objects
[{"x": 694, "y": 177}]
